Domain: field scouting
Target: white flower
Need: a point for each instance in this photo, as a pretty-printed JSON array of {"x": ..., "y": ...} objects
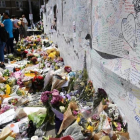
[
  {"x": 73, "y": 98},
  {"x": 62, "y": 109}
]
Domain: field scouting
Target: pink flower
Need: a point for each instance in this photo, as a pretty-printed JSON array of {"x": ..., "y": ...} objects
[
  {"x": 55, "y": 92},
  {"x": 75, "y": 112},
  {"x": 119, "y": 127}
]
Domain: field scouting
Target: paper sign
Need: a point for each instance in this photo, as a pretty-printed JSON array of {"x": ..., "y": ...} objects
[
  {"x": 14, "y": 127},
  {"x": 9, "y": 115},
  {"x": 30, "y": 16}
]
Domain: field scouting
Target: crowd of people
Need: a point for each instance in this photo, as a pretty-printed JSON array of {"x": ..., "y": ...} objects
[{"x": 16, "y": 29}]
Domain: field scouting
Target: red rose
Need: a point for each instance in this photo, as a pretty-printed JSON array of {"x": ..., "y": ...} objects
[
  {"x": 40, "y": 77},
  {"x": 25, "y": 51}
]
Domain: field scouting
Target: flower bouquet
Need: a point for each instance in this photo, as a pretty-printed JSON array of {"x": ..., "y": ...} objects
[
  {"x": 30, "y": 55},
  {"x": 34, "y": 60},
  {"x": 13, "y": 101},
  {"x": 6, "y": 73},
  {"x": 88, "y": 92},
  {"x": 5, "y": 107},
  {"x": 67, "y": 69},
  {"x": 10, "y": 56},
  {"x": 38, "y": 82},
  {"x": 11, "y": 81},
  {"x": 20, "y": 92},
  {"x": 5, "y": 89},
  {"x": 19, "y": 49},
  {"x": 69, "y": 117},
  {"x": 27, "y": 83},
  {"x": 25, "y": 53},
  {"x": 56, "y": 103}
]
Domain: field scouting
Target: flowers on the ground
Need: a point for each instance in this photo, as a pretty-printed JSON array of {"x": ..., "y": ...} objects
[
  {"x": 30, "y": 55},
  {"x": 8, "y": 89},
  {"x": 38, "y": 82},
  {"x": 62, "y": 109},
  {"x": 13, "y": 101},
  {"x": 45, "y": 96},
  {"x": 67, "y": 69},
  {"x": 34, "y": 60},
  {"x": 6, "y": 73}
]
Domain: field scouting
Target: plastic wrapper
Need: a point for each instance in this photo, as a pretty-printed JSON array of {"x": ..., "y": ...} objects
[
  {"x": 10, "y": 138},
  {"x": 2, "y": 79},
  {"x": 104, "y": 123},
  {"x": 20, "y": 113},
  {"x": 74, "y": 131},
  {"x": 86, "y": 111},
  {"x": 68, "y": 117},
  {"x": 58, "y": 81},
  {"x": 57, "y": 113},
  {"x": 9, "y": 115},
  {"x": 98, "y": 136},
  {"x": 38, "y": 117},
  {"x": 5, "y": 133},
  {"x": 121, "y": 135},
  {"x": 48, "y": 78},
  {"x": 1, "y": 99}
]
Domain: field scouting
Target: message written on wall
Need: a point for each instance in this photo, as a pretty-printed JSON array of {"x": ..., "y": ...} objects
[
  {"x": 68, "y": 17},
  {"x": 119, "y": 88},
  {"x": 116, "y": 27}
]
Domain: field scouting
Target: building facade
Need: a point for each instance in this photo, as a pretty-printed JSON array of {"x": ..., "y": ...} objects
[{"x": 15, "y": 7}]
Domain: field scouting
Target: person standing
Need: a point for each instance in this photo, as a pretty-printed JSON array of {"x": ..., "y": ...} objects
[
  {"x": 2, "y": 45},
  {"x": 15, "y": 28},
  {"x": 21, "y": 28},
  {"x": 25, "y": 25},
  {"x": 9, "y": 28}
]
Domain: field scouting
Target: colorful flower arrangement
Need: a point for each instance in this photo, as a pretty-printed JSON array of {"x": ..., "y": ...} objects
[
  {"x": 20, "y": 92},
  {"x": 19, "y": 49},
  {"x": 30, "y": 55},
  {"x": 38, "y": 82},
  {"x": 5, "y": 108},
  {"x": 11, "y": 81},
  {"x": 33, "y": 60},
  {"x": 67, "y": 69},
  {"x": 13, "y": 101},
  {"x": 6, "y": 73},
  {"x": 54, "y": 99}
]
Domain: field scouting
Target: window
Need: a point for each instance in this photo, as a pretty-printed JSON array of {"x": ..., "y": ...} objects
[
  {"x": 19, "y": 4},
  {"x": 2, "y": 3}
]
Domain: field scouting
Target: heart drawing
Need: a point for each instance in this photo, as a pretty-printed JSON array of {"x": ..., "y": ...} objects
[{"x": 129, "y": 30}]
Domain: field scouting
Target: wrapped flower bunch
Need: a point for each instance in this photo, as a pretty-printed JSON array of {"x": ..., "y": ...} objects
[{"x": 38, "y": 82}]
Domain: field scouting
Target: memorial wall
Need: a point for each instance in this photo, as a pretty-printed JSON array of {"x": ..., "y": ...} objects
[{"x": 107, "y": 32}]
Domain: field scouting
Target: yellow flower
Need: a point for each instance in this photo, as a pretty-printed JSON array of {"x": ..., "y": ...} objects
[
  {"x": 115, "y": 124},
  {"x": 8, "y": 89},
  {"x": 78, "y": 119},
  {"x": 51, "y": 55},
  {"x": 19, "y": 50},
  {"x": 90, "y": 128}
]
